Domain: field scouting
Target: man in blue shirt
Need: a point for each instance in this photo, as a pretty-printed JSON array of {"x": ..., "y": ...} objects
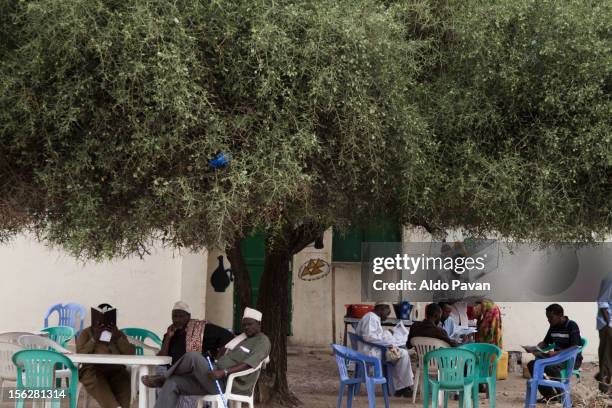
[
  {"x": 604, "y": 326},
  {"x": 446, "y": 321}
]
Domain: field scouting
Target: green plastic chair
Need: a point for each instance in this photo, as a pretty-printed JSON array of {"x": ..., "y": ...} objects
[
  {"x": 36, "y": 371},
  {"x": 487, "y": 357},
  {"x": 575, "y": 371},
  {"x": 141, "y": 335},
  {"x": 60, "y": 334},
  {"x": 456, "y": 372}
]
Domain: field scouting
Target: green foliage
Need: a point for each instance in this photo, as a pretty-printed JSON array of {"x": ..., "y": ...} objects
[
  {"x": 521, "y": 110},
  {"x": 490, "y": 115}
]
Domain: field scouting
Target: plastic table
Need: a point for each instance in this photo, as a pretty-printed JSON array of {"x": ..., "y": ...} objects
[{"x": 146, "y": 397}]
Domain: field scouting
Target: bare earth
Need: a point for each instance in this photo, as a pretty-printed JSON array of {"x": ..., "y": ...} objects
[{"x": 313, "y": 377}]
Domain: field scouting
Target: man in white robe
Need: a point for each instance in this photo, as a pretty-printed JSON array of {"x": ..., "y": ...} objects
[{"x": 370, "y": 329}]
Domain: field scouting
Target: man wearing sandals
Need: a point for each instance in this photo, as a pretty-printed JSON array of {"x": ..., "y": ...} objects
[{"x": 191, "y": 375}]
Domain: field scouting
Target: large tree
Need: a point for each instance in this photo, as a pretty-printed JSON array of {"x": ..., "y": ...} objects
[{"x": 492, "y": 116}]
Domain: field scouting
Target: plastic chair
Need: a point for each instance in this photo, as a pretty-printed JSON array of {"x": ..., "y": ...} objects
[
  {"x": 576, "y": 371},
  {"x": 487, "y": 357},
  {"x": 68, "y": 316},
  {"x": 141, "y": 335},
  {"x": 137, "y": 337},
  {"x": 12, "y": 337},
  {"x": 31, "y": 342},
  {"x": 8, "y": 372},
  {"x": 424, "y": 345},
  {"x": 387, "y": 366},
  {"x": 344, "y": 354},
  {"x": 217, "y": 402},
  {"x": 36, "y": 370},
  {"x": 456, "y": 372},
  {"x": 60, "y": 334},
  {"x": 565, "y": 371},
  {"x": 568, "y": 357}
]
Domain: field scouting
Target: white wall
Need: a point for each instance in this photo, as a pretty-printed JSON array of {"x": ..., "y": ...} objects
[
  {"x": 219, "y": 305},
  {"x": 525, "y": 324},
  {"x": 312, "y": 300},
  {"x": 35, "y": 277}
]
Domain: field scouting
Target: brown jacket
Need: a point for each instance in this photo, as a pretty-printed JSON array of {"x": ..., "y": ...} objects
[
  {"x": 427, "y": 329},
  {"x": 86, "y": 344}
]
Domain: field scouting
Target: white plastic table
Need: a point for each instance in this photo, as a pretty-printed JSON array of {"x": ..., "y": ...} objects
[{"x": 146, "y": 397}]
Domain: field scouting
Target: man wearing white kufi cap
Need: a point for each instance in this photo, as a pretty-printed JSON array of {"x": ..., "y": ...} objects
[
  {"x": 370, "y": 329},
  {"x": 191, "y": 374},
  {"x": 252, "y": 314},
  {"x": 186, "y": 334}
]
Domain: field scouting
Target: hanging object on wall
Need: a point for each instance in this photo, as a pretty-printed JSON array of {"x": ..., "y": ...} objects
[
  {"x": 221, "y": 277},
  {"x": 318, "y": 243},
  {"x": 314, "y": 269}
]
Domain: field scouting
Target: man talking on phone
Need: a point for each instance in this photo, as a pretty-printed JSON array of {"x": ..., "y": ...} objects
[
  {"x": 108, "y": 384},
  {"x": 185, "y": 335}
]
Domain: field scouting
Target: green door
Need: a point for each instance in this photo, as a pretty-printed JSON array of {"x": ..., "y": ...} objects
[{"x": 253, "y": 250}]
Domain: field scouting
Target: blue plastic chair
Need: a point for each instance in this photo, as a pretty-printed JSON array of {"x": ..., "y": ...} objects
[
  {"x": 344, "y": 354},
  {"x": 386, "y": 365},
  {"x": 577, "y": 371},
  {"x": 67, "y": 316},
  {"x": 566, "y": 356}
]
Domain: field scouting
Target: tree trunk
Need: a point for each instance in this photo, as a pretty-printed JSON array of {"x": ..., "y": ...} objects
[
  {"x": 273, "y": 301},
  {"x": 242, "y": 278}
]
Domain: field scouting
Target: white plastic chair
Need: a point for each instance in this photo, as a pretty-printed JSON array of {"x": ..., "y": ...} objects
[
  {"x": 13, "y": 337},
  {"x": 216, "y": 400},
  {"x": 30, "y": 341},
  {"x": 424, "y": 345},
  {"x": 8, "y": 371}
]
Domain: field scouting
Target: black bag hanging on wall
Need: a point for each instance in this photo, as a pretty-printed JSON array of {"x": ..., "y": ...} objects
[{"x": 221, "y": 277}]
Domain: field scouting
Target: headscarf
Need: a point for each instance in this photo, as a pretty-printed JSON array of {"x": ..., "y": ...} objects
[{"x": 490, "y": 324}]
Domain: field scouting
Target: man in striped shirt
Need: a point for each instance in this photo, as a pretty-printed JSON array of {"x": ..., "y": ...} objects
[{"x": 563, "y": 333}]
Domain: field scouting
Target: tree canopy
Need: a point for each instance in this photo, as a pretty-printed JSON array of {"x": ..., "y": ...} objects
[
  {"x": 493, "y": 116},
  {"x": 521, "y": 111}
]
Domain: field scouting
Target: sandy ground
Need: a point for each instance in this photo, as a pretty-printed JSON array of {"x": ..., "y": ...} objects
[{"x": 313, "y": 377}]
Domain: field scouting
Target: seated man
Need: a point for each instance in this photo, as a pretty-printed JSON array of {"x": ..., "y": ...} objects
[
  {"x": 429, "y": 327},
  {"x": 564, "y": 333},
  {"x": 186, "y": 334},
  {"x": 108, "y": 384},
  {"x": 370, "y": 329},
  {"x": 191, "y": 374},
  {"x": 446, "y": 321}
]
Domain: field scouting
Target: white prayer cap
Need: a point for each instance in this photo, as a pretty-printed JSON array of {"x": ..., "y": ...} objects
[
  {"x": 252, "y": 314},
  {"x": 180, "y": 305}
]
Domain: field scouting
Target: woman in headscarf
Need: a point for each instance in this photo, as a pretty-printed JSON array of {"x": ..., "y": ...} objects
[{"x": 489, "y": 323}]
